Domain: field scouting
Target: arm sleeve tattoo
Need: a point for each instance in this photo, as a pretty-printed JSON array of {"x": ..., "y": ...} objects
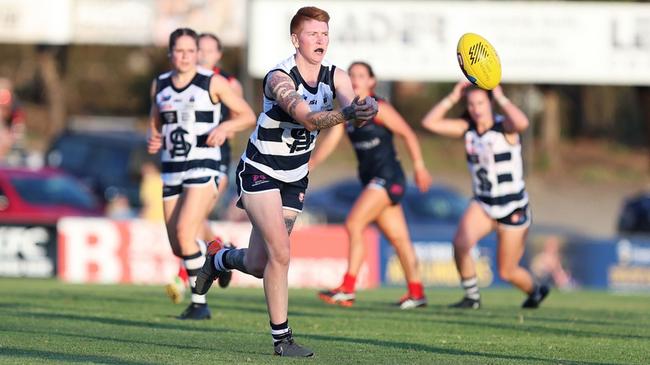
[{"x": 283, "y": 89}]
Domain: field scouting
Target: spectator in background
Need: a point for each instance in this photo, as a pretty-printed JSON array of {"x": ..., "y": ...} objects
[
  {"x": 12, "y": 119},
  {"x": 151, "y": 187}
]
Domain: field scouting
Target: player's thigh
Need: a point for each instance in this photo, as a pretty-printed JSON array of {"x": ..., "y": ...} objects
[
  {"x": 392, "y": 223},
  {"x": 474, "y": 225},
  {"x": 511, "y": 245},
  {"x": 197, "y": 201},
  {"x": 370, "y": 203},
  {"x": 265, "y": 212}
]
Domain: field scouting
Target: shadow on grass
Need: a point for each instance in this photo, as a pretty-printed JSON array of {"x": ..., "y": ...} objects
[
  {"x": 52, "y": 334},
  {"x": 540, "y": 329},
  {"x": 444, "y": 351},
  {"x": 40, "y": 355},
  {"x": 534, "y": 316},
  {"x": 122, "y": 322}
]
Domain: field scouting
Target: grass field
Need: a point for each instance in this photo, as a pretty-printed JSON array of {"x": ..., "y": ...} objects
[{"x": 44, "y": 321}]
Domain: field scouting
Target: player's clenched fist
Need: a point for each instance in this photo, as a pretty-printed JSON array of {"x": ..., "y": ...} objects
[{"x": 154, "y": 142}]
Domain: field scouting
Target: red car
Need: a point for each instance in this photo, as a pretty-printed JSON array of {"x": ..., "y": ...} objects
[{"x": 43, "y": 196}]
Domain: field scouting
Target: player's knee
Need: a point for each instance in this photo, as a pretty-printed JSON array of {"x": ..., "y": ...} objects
[
  {"x": 462, "y": 244},
  {"x": 505, "y": 273},
  {"x": 184, "y": 234},
  {"x": 398, "y": 240},
  {"x": 353, "y": 226},
  {"x": 280, "y": 257}
]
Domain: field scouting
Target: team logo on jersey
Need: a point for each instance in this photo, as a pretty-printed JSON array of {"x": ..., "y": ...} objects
[
  {"x": 302, "y": 140},
  {"x": 179, "y": 146},
  {"x": 169, "y": 117},
  {"x": 192, "y": 99}
]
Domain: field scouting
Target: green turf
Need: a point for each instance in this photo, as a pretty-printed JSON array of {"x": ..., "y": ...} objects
[{"x": 43, "y": 321}]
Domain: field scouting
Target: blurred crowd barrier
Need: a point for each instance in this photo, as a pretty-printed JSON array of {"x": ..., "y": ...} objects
[{"x": 99, "y": 250}]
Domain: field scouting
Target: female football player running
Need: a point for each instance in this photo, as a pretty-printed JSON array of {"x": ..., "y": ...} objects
[
  {"x": 272, "y": 174},
  {"x": 500, "y": 203},
  {"x": 208, "y": 56},
  {"x": 185, "y": 127},
  {"x": 384, "y": 184}
]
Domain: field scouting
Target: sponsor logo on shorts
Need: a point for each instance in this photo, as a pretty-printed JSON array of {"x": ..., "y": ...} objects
[
  {"x": 396, "y": 189},
  {"x": 301, "y": 197},
  {"x": 259, "y": 179}
]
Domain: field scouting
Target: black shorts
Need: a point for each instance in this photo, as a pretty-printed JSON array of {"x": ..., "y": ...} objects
[
  {"x": 395, "y": 185},
  {"x": 253, "y": 181},
  {"x": 519, "y": 218},
  {"x": 173, "y": 191}
]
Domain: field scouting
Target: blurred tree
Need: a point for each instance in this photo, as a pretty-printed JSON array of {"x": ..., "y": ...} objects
[
  {"x": 550, "y": 128},
  {"x": 49, "y": 60}
]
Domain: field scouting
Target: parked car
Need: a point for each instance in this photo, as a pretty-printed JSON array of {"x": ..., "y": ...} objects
[
  {"x": 43, "y": 196},
  {"x": 440, "y": 204},
  {"x": 635, "y": 215},
  {"x": 107, "y": 161}
]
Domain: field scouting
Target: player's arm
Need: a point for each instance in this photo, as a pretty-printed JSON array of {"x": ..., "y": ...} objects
[
  {"x": 235, "y": 85},
  {"x": 516, "y": 121},
  {"x": 282, "y": 89},
  {"x": 395, "y": 123},
  {"x": 154, "y": 141},
  {"x": 436, "y": 121},
  {"x": 326, "y": 144},
  {"x": 242, "y": 116}
]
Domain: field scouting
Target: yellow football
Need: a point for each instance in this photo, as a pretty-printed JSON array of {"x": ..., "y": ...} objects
[{"x": 479, "y": 61}]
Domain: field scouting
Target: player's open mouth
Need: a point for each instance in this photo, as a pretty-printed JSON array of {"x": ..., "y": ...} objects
[{"x": 319, "y": 50}]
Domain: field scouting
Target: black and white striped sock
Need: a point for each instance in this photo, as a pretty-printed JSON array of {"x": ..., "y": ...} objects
[
  {"x": 280, "y": 331},
  {"x": 471, "y": 288},
  {"x": 193, "y": 264}
]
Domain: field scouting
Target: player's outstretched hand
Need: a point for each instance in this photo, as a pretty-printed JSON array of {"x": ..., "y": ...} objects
[
  {"x": 364, "y": 110},
  {"x": 154, "y": 142}
]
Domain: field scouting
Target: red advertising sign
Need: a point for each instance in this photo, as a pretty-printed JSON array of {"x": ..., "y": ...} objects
[{"x": 105, "y": 251}]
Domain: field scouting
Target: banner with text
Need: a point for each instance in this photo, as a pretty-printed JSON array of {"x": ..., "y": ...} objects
[
  {"x": 92, "y": 250},
  {"x": 538, "y": 42}
]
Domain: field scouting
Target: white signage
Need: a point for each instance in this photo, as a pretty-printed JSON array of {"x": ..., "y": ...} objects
[
  {"x": 538, "y": 42},
  {"x": 35, "y": 21}
]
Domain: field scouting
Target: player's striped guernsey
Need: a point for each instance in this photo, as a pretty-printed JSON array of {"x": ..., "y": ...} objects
[
  {"x": 280, "y": 147},
  {"x": 496, "y": 168},
  {"x": 187, "y": 116},
  {"x": 225, "y": 116}
]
